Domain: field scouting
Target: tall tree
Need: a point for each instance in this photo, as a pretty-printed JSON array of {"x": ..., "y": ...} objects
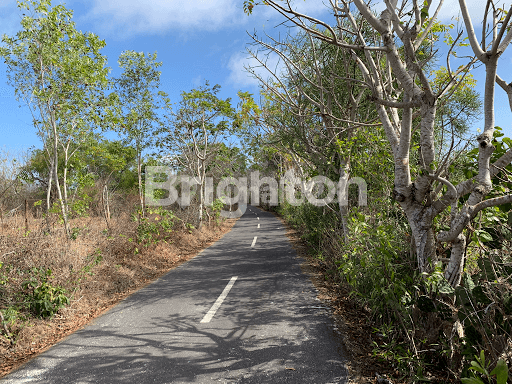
[
  {"x": 192, "y": 132},
  {"x": 393, "y": 68},
  {"x": 313, "y": 106},
  {"x": 60, "y": 74},
  {"x": 138, "y": 89}
]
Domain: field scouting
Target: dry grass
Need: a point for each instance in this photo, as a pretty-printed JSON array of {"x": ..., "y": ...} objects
[{"x": 100, "y": 267}]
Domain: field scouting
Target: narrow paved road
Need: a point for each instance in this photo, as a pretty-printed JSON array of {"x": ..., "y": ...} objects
[{"x": 240, "y": 312}]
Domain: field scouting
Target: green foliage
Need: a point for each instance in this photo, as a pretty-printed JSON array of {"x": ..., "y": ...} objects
[
  {"x": 200, "y": 124},
  {"x": 113, "y": 162},
  {"x": 61, "y": 75},
  {"x": 201, "y": 115},
  {"x": 80, "y": 207},
  {"x": 74, "y": 233},
  {"x": 312, "y": 222},
  {"x": 137, "y": 88},
  {"x": 481, "y": 366},
  {"x": 156, "y": 226},
  {"x": 4, "y": 269},
  {"x": 217, "y": 206},
  {"x": 12, "y": 316},
  {"x": 71, "y": 61},
  {"x": 248, "y": 6},
  {"x": 138, "y": 92},
  {"x": 43, "y": 298},
  {"x": 376, "y": 265}
]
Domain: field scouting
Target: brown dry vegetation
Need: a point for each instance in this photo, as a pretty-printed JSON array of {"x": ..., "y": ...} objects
[{"x": 97, "y": 269}]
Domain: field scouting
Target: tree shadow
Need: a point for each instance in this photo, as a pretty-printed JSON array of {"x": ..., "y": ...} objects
[{"x": 270, "y": 329}]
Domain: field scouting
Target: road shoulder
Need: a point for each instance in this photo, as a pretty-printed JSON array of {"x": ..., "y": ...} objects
[{"x": 352, "y": 322}]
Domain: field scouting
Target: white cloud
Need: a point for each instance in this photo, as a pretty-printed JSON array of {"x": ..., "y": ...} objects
[
  {"x": 197, "y": 81},
  {"x": 313, "y": 8},
  {"x": 451, "y": 9},
  {"x": 240, "y": 62},
  {"x": 129, "y": 17},
  {"x": 238, "y": 74}
]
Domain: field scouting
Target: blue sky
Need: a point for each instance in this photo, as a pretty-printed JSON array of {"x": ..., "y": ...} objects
[{"x": 196, "y": 40}]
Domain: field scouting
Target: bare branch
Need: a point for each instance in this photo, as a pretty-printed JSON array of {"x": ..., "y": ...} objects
[
  {"x": 506, "y": 87},
  {"x": 471, "y": 32},
  {"x": 429, "y": 27}
]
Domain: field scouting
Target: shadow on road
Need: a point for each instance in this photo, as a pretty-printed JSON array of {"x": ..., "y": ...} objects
[{"x": 270, "y": 329}]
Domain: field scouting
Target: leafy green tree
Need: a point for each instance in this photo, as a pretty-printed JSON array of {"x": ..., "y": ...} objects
[
  {"x": 138, "y": 88},
  {"x": 113, "y": 162},
  {"x": 111, "y": 165},
  {"x": 60, "y": 74},
  {"x": 191, "y": 133}
]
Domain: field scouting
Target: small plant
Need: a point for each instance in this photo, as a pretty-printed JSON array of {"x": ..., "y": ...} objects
[
  {"x": 80, "y": 207},
  {"x": 3, "y": 275},
  {"x": 217, "y": 206},
  {"x": 74, "y": 233},
  {"x": 43, "y": 298},
  {"x": 147, "y": 231},
  {"x": 8, "y": 317},
  {"x": 151, "y": 229},
  {"x": 482, "y": 367}
]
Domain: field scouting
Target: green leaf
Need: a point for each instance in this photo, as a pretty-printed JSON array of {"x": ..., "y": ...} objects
[
  {"x": 469, "y": 284},
  {"x": 471, "y": 380},
  {"x": 476, "y": 367},
  {"x": 480, "y": 296},
  {"x": 501, "y": 372},
  {"x": 483, "y": 235},
  {"x": 445, "y": 287}
]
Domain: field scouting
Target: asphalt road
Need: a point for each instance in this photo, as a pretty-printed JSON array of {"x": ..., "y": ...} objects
[{"x": 239, "y": 312}]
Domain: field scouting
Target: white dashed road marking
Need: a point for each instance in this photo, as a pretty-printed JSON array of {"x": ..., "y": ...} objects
[
  {"x": 218, "y": 303},
  {"x": 254, "y": 241}
]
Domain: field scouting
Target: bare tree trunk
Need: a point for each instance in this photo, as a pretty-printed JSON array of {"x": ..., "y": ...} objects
[
  {"x": 343, "y": 208},
  {"x": 105, "y": 206},
  {"x": 141, "y": 189},
  {"x": 65, "y": 177},
  {"x": 49, "y": 189},
  {"x": 26, "y": 216},
  {"x": 202, "y": 174},
  {"x": 55, "y": 174},
  {"x": 107, "y": 203}
]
